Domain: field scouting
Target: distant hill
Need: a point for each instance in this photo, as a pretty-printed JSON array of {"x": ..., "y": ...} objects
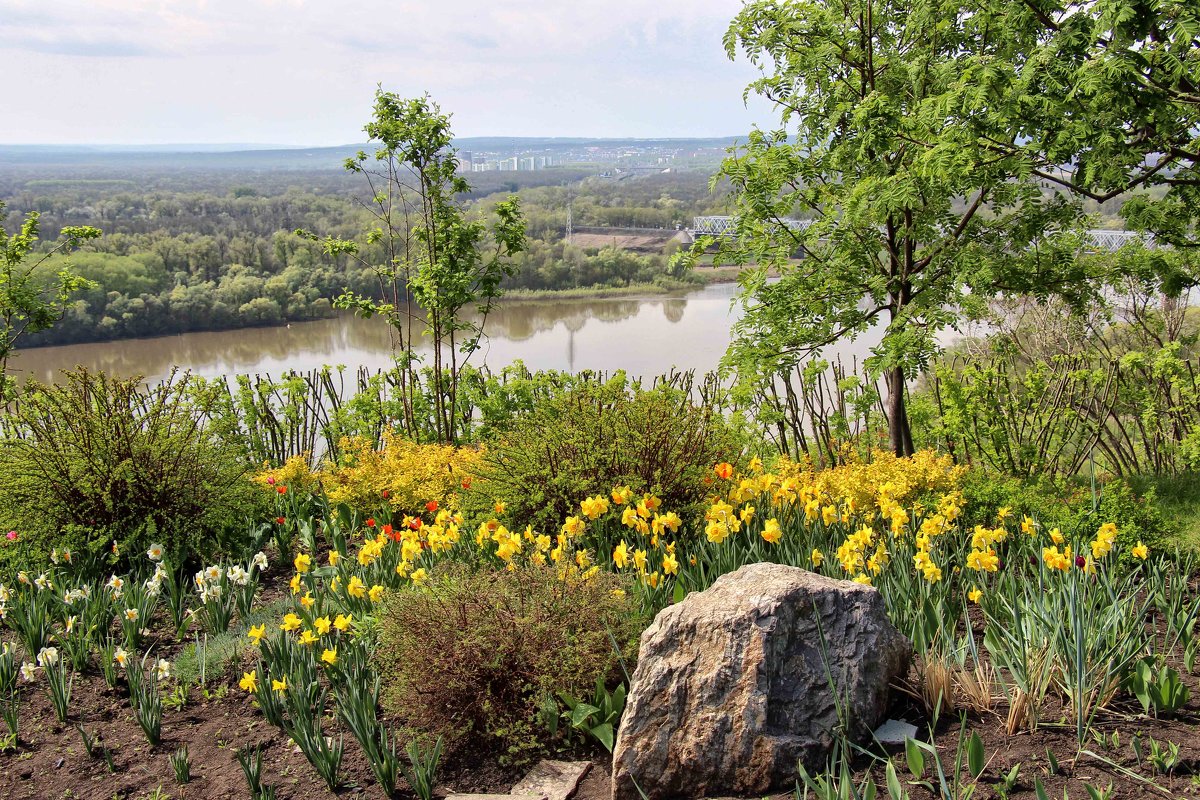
[{"x": 269, "y": 157}]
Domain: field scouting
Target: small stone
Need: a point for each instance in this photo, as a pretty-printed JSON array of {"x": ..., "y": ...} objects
[
  {"x": 58, "y": 764},
  {"x": 895, "y": 731},
  {"x": 554, "y": 780}
]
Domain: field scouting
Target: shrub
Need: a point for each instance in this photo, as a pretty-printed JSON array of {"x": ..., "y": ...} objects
[
  {"x": 1067, "y": 505},
  {"x": 480, "y": 652},
  {"x": 595, "y": 436},
  {"x": 411, "y": 474},
  {"x": 98, "y": 460}
]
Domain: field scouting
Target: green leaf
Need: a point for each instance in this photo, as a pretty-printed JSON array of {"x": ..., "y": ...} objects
[
  {"x": 914, "y": 757},
  {"x": 975, "y": 756},
  {"x": 1039, "y": 789},
  {"x": 893, "y": 783},
  {"x": 604, "y": 733},
  {"x": 582, "y": 712}
]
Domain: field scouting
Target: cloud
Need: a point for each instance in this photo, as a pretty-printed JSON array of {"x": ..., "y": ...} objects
[{"x": 171, "y": 68}]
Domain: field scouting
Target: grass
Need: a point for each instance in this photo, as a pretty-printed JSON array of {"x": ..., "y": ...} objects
[
  {"x": 224, "y": 650},
  {"x": 1178, "y": 500}
]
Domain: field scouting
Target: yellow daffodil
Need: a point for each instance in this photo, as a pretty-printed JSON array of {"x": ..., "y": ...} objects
[
  {"x": 290, "y": 622},
  {"x": 330, "y": 656},
  {"x": 303, "y": 562},
  {"x": 279, "y": 685},
  {"x": 249, "y": 681},
  {"x": 342, "y": 622},
  {"x": 975, "y": 594},
  {"x": 771, "y": 531},
  {"x": 375, "y": 593},
  {"x": 256, "y": 633},
  {"x": 307, "y": 637},
  {"x": 1140, "y": 551},
  {"x": 621, "y": 555},
  {"x": 322, "y": 624}
]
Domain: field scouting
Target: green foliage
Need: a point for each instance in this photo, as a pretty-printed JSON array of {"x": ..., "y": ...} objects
[
  {"x": 422, "y": 774},
  {"x": 595, "y": 436},
  {"x": 479, "y": 653},
  {"x": 27, "y": 304},
  {"x": 600, "y": 717},
  {"x": 911, "y": 217},
  {"x": 1068, "y": 505},
  {"x": 437, "y": 260},
  {"x": 95, "y": 461},
  {"x": 1108, "y": 102},
  {"x": 1157, "y": 687}
]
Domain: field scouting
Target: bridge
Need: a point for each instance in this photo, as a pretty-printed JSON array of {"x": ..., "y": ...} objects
[{"x": 1107, "y": 240}]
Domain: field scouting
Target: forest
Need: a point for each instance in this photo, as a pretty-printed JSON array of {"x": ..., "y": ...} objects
[{"x": 191, "y": 249}]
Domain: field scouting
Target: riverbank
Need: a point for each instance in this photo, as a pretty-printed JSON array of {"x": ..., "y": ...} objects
[{"x": 705, "y": 276}]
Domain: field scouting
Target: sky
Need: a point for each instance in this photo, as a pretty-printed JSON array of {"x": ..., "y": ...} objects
[{"x": 303, "y": 72}]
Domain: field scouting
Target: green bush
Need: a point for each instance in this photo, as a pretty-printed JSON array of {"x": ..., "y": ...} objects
[
  {"x": 97, "y": 460},
  {"x": 1068, "y": 505},
  {"x": 594, "y": 436},
  {"x": 479, "y": 653}
]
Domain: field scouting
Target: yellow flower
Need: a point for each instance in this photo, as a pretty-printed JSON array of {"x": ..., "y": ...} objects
[
  {"x": 864, "y": 579},
  {"x": 294, "y": 583},
  {"x": 356, "y": 588},
  {"x": 622, "y": 495},
  {"x": 307, "y": 601},
  {"x": 1141, "y": 551},
  {"x": 621, "y": 555},
  {"x": 303, "y": 562},
  {"x": 249, "y": 681},
  {"x": 419, "y": 576},
  {"x": 1056, "y": 560},
  {"x": 1056, "y": 536},
  {"x": 574, "y": 526},
  {"x": 1027, "y": 526},
  {"x": 670, "y": 565},
  {"x": 1003, "y": 513},
  {"x": 307, "y": 637},
  {"x": 593, "y": 507},
  {"x": 290, "y": 622},
  {"x": 342, "y": 622},
  {"x": 330, "y": 656},
  {"x": 771, "y": 531},
  {"x": 975, "y": 594},
  {"x": 334, "y": 555},
  {"x": 639, "y": 560},
  {"x": 322, "y": 624},
  {"x": 500, "y": 506},
  {"x": 280, "y": 685},
  {"x": 829, "y": 515},
  {"x": 257, "y": 633},
  {"x": 983, "y": 560},
  {"x": 375, "y": 593},
  {"x": 817, "y": 557}
]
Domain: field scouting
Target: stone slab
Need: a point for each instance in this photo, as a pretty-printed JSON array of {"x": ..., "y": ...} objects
[
  {"x": 554, "y": 780},
  {"x": 895, "y": 732}
]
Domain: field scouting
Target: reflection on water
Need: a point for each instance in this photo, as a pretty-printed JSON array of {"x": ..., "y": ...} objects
[{"x": 642, "y": 335}]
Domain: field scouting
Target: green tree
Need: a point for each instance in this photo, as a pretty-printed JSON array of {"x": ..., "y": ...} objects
[
  {"x": 1110, "y": 102},
  {"x": 437, "y": 261},
  {"x": 909, "y": 219},
  {"x": 28, "y": 302}
]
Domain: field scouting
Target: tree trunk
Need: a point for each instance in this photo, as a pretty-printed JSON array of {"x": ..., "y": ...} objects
[{"x": 897, "y": 410}]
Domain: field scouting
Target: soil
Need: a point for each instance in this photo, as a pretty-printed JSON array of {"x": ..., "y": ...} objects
[{"x": 49, "y": 761}]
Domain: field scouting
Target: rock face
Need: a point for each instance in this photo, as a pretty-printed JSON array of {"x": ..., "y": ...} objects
[{"x": 732, "y": 689}]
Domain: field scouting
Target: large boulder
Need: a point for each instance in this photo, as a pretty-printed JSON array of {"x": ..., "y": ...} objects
[{"x": 732, "y": 687}]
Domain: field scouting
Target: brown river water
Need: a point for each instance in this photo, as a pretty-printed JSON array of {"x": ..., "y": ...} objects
[{"x": 644, "y": 335}]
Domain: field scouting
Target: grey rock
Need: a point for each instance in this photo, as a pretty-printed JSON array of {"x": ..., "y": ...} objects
[
  {"x": 554, "y": 780},
  {"x": 895, "y": 731},
  {"x": 732, "y": 685}
]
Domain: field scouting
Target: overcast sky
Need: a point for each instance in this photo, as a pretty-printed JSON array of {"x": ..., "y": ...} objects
[{"x": 304, "y": 71}]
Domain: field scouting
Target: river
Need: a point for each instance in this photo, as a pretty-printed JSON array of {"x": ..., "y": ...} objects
[{"x": 644, "y": 335}]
